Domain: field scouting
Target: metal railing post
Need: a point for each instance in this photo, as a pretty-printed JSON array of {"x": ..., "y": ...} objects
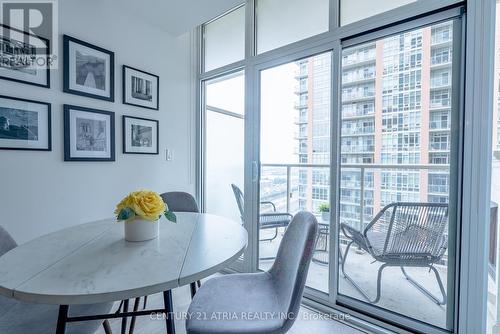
[
  {"x": 288, "y": 188},
  {"x": 362, "y": 198},
  {"x": 361, "y": 204}
]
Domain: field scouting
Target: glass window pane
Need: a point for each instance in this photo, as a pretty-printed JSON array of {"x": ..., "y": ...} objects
[
  {"x": 224, "y": 40},
  {"x": 281, "y": 22},
  {"x": 355, "y": 10},
  {"x": 396, "y": 146},
  {"x": 227, "y": 93},
  {"x": 224, "y": 149},
  {"x": 295, "y": 130}
]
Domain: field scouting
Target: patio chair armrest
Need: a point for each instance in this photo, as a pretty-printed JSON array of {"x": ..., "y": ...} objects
[
  {"x": 349, "y": 231},
  {"x": 269, "y": 203}
]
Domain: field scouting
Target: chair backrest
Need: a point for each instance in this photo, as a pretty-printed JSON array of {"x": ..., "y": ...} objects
[
  {"x": 290, "y": 268},
  {"x": 178, "y": 201},
  {"x": 238, "y": 195},
  {"x": 6, "y": 241},
  {"x": 412, "y": 229}
]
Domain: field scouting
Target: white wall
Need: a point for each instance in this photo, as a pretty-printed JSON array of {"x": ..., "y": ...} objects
[{"x": 39, "y": 192}]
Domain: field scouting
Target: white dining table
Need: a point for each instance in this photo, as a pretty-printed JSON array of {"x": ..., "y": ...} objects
[{"x": 92, "y": 263}]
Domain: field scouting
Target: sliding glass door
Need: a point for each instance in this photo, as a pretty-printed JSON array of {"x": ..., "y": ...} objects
[{"x": 398, "y": 177}]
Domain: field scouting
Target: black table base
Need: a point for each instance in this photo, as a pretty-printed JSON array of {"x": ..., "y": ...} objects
[{"x": 64, "y": 318}]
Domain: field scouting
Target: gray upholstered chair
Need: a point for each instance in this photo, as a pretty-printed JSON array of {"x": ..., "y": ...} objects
[
  {"x": 178, "y": 201},
  {"x": 20, "y": 317},
  {"x": 276, "y": 293}
]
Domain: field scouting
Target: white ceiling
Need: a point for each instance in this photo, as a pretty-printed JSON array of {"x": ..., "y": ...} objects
[{"x": 177, "y": 16}]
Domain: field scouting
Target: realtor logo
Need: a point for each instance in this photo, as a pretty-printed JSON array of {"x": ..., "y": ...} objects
[{"x": 28, "y": 34}]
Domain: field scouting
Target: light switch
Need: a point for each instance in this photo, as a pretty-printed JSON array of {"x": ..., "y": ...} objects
[{"x": 170, "y": 155}]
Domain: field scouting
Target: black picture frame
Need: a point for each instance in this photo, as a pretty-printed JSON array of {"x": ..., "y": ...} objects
[
  {"x": 49, "y": 126},
  {"x": 47, "y": 69},
  {"x": 68, "y": 156},
  {"x": 66, "y": 69},
  {"x": 125, "y": 94},
  {"x": 125, "y": 138}
]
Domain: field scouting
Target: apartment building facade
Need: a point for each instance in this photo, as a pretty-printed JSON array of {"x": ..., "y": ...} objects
[{"x": 395, "y": 137}]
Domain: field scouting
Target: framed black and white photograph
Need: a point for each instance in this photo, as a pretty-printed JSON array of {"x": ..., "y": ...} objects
[
  {"x": 24, "y": 57},
  {"x": 24, "y": 124},
  {"x": 140, "y": 135},
  {"x": 88, "y": 70},
  {"x": 89, "y": 134},
  {"x": 140, "y": 89}
]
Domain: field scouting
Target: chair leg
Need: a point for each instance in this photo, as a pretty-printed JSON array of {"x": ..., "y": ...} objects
[
  {"x": 107, "y": 327},
  {"x": 193, "y": 289},
  {"x": 124, "y": 319},
  {"x": 424, "y": 290},
  {"x": 145, "y": 302},
  {"x": 198, "y": 282},
  {"x": 169, "y": 311},
  {"x": 274, "y": 237},
  {"x": 132, "y": 320},
  {"x": 360, "y": 290}
]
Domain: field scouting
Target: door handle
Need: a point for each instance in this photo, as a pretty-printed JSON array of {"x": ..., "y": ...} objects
[{"x": 255, "y": 171}]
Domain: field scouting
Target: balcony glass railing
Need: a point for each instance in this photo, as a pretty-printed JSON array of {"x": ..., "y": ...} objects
[
  {"x": 358, "y": 130},
  {"x": 439, "y": 125},
  {"x": 289, "y": 186},
  {"x": 294, "y": 187}
]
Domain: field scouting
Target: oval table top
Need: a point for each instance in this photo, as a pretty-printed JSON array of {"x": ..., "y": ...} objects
[{"x": 92, "y": 263}]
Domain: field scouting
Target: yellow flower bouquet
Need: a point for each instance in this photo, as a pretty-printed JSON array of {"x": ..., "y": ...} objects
[{"x": 144, "y": 204}]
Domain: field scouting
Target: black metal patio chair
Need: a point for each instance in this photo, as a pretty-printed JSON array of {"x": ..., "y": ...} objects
[
  {"x": 273, "y": 220},
  {"x": 403, "y": 235}
]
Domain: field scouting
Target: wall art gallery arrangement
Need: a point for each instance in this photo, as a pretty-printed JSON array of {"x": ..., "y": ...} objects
[{"x": 89, "y": 71}]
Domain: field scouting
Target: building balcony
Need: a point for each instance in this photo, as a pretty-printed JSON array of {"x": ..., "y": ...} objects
[
  {"x": 358, "y": 98},
  {"x": 300, "y": 105},
  {"x": 358, "y": 63},
  {"x": 357, "y": 80},
  {"x": 439, "y": 126},
  {"x": 439, "y": 42},
  {"x": 300, "y": 120},
  {"x": 369, "y": 131},
  {"x": 440, "y": 63},
  {"x": 358, "y": 149},
  {"x": 440, "y": 105},
  {"x": 349, "y": 115}
]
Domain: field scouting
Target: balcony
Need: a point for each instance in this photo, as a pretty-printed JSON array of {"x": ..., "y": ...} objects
[
  {"x": 358, "y": 97},
  {"x": 439, "y": 125},
  {"x": 360, "y": 130},
  {"x": 396, "y": 291}
]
